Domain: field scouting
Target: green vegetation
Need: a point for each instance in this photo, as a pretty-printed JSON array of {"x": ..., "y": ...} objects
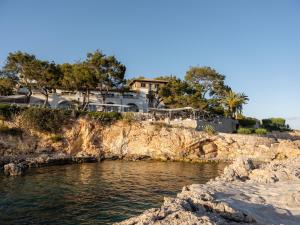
[
  {"x": 275, "y": 124},
  {"x": 245, "y": 130},
  {"x": 209, "y": 130},
  {"x": 128, "y": 117},
  {"x": 159, "y": 125},
  {"x": 7, "y": 86},
  {"x": 10, "y": 131},
  {"x": 8, "y": 111},
  {"x": 233, "y": 103},
  {"x": 247, "y": 122},
  {"x": 105, "y": 116},
  {"x": 57, "y": 138},
  {"x": 203, "y": 88},
  {"x": 261, "y": 131},
  {"x": 44, "y": 119},
  {"x": 96, "y": 71}
]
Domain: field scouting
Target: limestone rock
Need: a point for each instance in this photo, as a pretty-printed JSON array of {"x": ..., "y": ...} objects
[
  {"x": 238, "y": 201},
  {"x": 13, "y": 169},
  {"x": 144, "y": 140},
  {"x": 239, "y": 170}
]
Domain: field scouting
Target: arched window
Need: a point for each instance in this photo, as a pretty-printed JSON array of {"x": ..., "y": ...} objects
[
  {"x": 64, "y": 105},
  {"x": 133, "y": 108},
  {"x": 111, "y": 108}
]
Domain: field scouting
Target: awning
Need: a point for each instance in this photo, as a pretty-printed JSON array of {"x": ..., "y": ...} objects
[
  {"x": 110, "y": 105},
  {"x": 175, "y": 109}
]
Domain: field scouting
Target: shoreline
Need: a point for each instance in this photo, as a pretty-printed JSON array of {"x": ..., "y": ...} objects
[
  {"x": 17, "y": 165},
  {"x": 229, "y": 199},
  {"x": 89, "y": 141},
  {"x": 244, "y": 194}
]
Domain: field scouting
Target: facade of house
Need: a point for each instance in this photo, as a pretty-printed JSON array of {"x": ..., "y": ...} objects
[
  {"x": 134, "y": 100},
  {"x": 146, "y": 85},
  {"x": 111, "y": 101}
]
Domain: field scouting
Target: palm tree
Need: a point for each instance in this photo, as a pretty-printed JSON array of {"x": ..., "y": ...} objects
[{"x": 234, "y": 102}]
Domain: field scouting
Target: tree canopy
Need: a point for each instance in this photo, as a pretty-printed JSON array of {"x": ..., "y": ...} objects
[
  {"x": 211, "y": 82},
  {"x": 21, "y": 64},
  {"x": 202, "y": 87}
]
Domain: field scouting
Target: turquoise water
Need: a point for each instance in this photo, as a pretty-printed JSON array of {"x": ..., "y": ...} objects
[{"x": 98, "y": 193}]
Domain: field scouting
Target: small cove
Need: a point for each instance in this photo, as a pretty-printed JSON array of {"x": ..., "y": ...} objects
[{"x": 96, "y": 193}]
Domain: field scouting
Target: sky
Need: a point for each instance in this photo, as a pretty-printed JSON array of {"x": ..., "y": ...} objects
[{"x": 254, "y": 43}]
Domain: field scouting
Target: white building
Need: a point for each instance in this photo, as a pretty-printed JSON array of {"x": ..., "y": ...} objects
[
  {"x": 127, "y": 101},
  {"x": 134, "y": 100}
]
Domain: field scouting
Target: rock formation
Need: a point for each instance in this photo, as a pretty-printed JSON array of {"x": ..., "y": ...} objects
[
  {"x": 90, "y": 140},
  {"x": 268, "y": 194}
]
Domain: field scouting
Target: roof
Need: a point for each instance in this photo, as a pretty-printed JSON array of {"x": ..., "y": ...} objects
[
  {"x": 103, "y": 104},
  {"x": 174, "y": 109},
  {"x": 149, "y": 80},
  {"x": 13, "y": 97}
]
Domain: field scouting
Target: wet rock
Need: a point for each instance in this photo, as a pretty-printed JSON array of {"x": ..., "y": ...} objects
[{"x": 13, "y": 169}]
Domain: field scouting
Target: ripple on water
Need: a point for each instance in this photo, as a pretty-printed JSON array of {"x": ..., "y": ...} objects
[{"x": 100, "y": 193}]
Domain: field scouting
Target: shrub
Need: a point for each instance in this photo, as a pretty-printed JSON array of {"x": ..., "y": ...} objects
[
  {"x": 276, "y": 124},
  {"x": 105, "y": 116},
  {"x": 56, "y": 138},
  {"x": 79, "y": 113},
  {"x": 247, "y": 122},
  {"x": 160, "y": 125},
  {"x": 8, "y": 111},
  {"x": 243, "y": 130},
  {"x": 209, "y": 129},
  {"x": 261, "y": 131},
  {"x": 128, "y": 117},
  {"x": 44, "y": 119},
  {"x": 10, "y": 131}
]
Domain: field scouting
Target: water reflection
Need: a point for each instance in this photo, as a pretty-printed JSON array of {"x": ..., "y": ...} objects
[{"x": 99, "y": 193}]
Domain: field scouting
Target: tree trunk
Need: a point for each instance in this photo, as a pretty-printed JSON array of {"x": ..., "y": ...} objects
[
  {"x": 86, "y": 98},
  {"x": 46, "y": 100},
  {"x": 28, "y": 96},
  {"x": 83, "y": 101}
]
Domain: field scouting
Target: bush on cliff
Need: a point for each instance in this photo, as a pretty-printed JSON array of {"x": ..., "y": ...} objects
[
  {"x": 44, "y": 119},
  {"x": 275, "y": 124},
  {"x": 247, "y": 122},
  {"x": 209, "y": 129},
  {"x": 129, "y": 117},
  {"x": 261, "y": 131},
  {"x": 56, "y": 138},
  {"x": 105, "y": 116},
  {"x": 243, "y": 130},
  {"x": 8, "y": 111},
  {"x": 14, "y": 131},
  {"x": 160, "y": 125}
]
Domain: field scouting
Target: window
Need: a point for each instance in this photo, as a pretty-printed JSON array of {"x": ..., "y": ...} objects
[
  {"x": 156, "y": 86},
  {"x": 128, "y": 96},
  {"x": 143, "y": 85}
]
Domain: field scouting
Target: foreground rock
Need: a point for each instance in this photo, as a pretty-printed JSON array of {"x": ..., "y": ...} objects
[
  {"x": 269, "y": 194},
  {"x": 16, "y": 166}
]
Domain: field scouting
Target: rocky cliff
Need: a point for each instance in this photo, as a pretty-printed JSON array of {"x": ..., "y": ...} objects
[
  {"x": 145, "y": 140},
  {"x": 157, "y": 141}
]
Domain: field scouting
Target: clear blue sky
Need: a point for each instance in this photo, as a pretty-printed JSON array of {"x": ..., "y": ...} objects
[{"x": 255, "y": 43}]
